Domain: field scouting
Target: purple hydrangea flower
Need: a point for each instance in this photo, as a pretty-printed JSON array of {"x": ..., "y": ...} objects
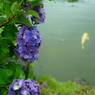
[
  {"x": 39, "y": 9},
  {"x": 28, "y": 43},
  {"x": 41, "y": 12},
  {"x": 24, "y": 87}
]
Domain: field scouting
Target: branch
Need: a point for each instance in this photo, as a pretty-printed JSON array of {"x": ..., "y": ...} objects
[{"x": 7, "y": 21}]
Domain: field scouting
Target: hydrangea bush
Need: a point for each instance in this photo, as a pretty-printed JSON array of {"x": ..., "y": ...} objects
[{"x": 20, "y": 41}]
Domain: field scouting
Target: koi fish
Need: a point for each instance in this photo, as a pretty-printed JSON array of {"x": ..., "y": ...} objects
[{"x": 85, "y": 37}]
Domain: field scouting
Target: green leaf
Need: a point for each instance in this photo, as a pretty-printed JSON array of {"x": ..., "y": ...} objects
[
  {"x": 3, "y": 91},
  {"x": 7, "y": 38},
  {"x": 15, "y": 72},
  {"x": 5, "y": 7},
  {"x": 2, "y": 20},
  {"x": 9, "y": 32},
  {"x": 22, "y": 20},
  {"x": 4, "y": 50},
  {"x": 33, "y": 13},
  {"x": 1, "y": 30},
  {"x": 4, "y": 76},
  {"x": 15, "y": 7},
  {"x": 36, "y": 2},
  {"x": 31, "y": 72},
  {"x": 19, "y": 74},
  {"x": 30, "y": 0}
]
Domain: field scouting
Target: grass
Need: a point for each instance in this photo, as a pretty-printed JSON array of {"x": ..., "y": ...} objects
[{"x": 50, "y": 86}]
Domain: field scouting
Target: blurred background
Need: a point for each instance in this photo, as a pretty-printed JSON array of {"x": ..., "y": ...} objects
[{"x": 61, "y": 55}]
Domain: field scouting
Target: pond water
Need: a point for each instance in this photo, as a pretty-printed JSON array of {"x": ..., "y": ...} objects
[{"x": 61, "y": 55}]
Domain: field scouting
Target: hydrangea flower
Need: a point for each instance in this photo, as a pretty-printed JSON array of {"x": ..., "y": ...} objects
[
  {"x": 41, "y": 12},
  {"x": 39, "y": 9},
  {"x": 28, "y": 43},
  {"x": 24, "y": 87}
]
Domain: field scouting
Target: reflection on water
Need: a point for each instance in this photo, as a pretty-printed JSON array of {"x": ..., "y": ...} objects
[{"x": 61, "y": 55}]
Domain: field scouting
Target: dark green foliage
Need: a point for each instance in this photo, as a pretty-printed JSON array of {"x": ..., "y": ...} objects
[
  {"x": 9, "y": 72},
  {"x": 11, "y": 16},
  {"x": 7, "y": 42},
  {"x": 9, "y": 32}
]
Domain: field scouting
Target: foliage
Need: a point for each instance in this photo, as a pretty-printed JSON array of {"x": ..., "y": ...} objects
[{"x": 12, "y": 16}]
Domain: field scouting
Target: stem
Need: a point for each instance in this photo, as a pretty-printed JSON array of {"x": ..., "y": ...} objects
[
  {"x": 7, "y": 21},
  {"x": 27, "y": 70},
  {"x": 10, "y": 19}
]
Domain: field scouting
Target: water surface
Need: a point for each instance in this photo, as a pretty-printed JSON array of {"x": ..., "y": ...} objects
[{"x": 61, "y": 55}]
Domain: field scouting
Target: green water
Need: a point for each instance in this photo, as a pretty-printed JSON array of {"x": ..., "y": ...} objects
[{"x": 61, "y": 55}]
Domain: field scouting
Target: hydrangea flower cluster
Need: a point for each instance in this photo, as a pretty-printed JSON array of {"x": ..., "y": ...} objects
[
  {"x": 39, "y": 9},
  {"x": 28, "y": 43},
  {"x": 24, "y": 87}
]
